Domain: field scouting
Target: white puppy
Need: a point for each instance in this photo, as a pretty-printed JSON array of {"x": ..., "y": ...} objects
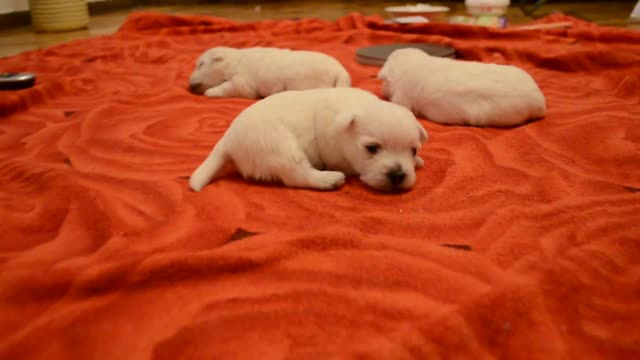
[
  {"x": 259, "y": 72},
  {"x": 461, "y": 92},
  {"x": 313, "y": 138}
]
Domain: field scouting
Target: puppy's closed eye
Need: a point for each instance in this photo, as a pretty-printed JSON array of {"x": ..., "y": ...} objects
[
  {"x": 414, "y": 151},
  {"x": 200, "y": 64},
  {"x": 373, "y": 148}
]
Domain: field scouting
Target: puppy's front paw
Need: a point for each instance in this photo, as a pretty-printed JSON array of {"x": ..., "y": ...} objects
[
  {"x": 329, "y": 180},
  {"x": 419, "y": 162}
]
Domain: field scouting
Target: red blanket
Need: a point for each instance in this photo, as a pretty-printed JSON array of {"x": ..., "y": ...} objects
[{"x": 514, "y": 244}]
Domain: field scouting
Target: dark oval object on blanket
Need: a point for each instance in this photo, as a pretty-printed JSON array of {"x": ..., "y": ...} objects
[{"x": 376, "y": 55}]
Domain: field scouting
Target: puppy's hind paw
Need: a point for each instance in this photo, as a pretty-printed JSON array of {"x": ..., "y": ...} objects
[
  {"x": 213, "y": 93},
  {"x": 313, "y": 179},
  {"x": 329, "y": 180}
]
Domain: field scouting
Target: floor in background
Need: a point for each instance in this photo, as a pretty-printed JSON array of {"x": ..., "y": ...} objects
[{"x": 14, "y": 41}]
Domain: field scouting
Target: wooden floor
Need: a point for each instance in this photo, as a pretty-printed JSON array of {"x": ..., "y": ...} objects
[{"x": 14, "y": 41}]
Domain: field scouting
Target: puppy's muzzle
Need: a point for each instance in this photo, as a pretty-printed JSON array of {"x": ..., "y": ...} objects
[
  {"x": 197, "y": 88},
  {"x": 396, "y": 177}
]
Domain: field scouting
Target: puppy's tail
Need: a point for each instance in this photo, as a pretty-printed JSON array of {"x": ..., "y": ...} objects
[
  {"x": 211, "y": 168},
  {"x": 343, "y": 79}
]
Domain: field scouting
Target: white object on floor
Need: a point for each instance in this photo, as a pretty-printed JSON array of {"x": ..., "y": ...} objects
[
  {"x": 556, "y": 25},
  {"x": 635, "y": 14},
  {"x": 429, "y": 12},
  {"x": 487, "y": 7},
  {"x": 410, "y": 20}
]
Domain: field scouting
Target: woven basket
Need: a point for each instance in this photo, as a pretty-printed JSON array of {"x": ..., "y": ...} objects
[{"x": 59, "y": 15}]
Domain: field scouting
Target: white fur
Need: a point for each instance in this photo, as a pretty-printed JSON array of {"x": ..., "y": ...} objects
[
  {"x": 259, "y": 72},
  {"x": 313, "y": 138},
  {"x": 461, "y": 92}
]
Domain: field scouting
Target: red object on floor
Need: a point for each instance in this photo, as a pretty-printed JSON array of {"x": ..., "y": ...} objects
[{"x": 514, "y": 244}]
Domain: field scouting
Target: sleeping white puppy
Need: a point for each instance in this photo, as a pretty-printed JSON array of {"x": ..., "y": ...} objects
[
  {"x": 314, "y": 138},
  {"x": 259, "y": 72},
  {"x": 461, "y": 92}
]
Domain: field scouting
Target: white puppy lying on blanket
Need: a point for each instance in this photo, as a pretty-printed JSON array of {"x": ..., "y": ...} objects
[
  {"x": 461, "y": 92},
  {"x": 313, "y": 138},
  {"x": 259, "y": 72}
]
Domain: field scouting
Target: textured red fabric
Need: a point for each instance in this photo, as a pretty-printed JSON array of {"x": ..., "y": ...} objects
[{"x": 514, "y": 244}]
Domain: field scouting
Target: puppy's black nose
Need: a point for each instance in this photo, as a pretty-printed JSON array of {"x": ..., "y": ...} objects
[
  {"x": 396, "y": 176},
  {"x": 196, "y": 88}
]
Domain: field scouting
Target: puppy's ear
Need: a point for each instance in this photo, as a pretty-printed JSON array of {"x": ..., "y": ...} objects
[
  {"x": 346, "y": 120},
  {"x": 424, "y": 137}
]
